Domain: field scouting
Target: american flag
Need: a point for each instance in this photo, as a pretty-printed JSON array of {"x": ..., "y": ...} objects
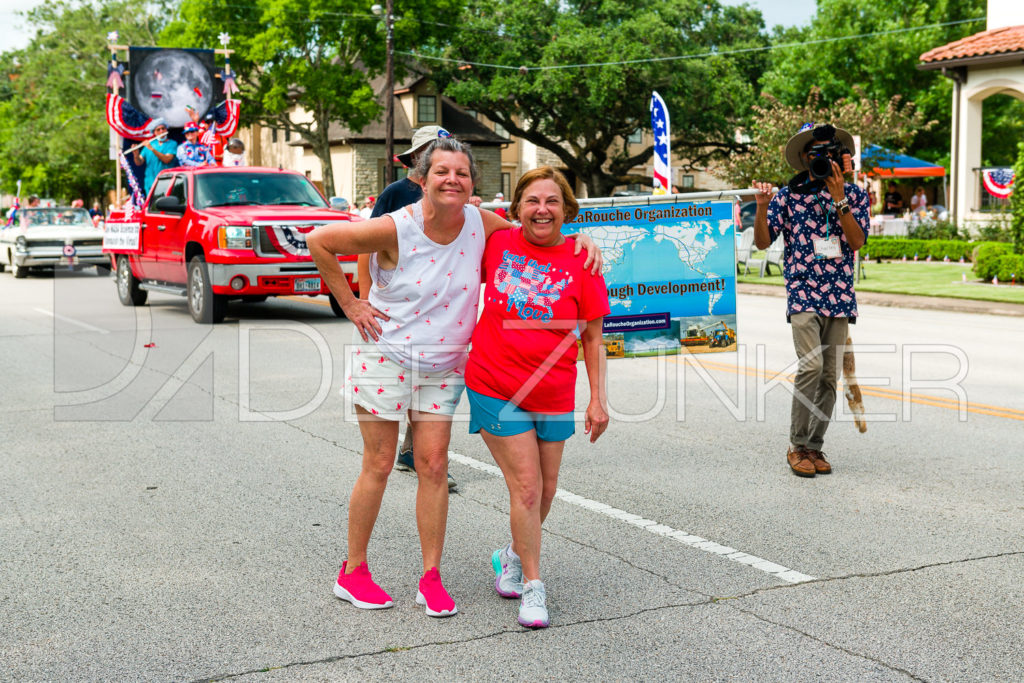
[
  {"x": 660, "y": 127},
  {"x": 998, "y": 181}
]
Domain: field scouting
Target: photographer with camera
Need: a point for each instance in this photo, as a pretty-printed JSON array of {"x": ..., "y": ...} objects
[{"x": 823, "y": 220}]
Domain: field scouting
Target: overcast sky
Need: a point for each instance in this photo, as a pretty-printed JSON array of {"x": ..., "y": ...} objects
[{"x": 786, "y": 12}]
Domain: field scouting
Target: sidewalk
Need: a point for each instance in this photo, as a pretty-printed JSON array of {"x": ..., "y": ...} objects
[{"x": 937, "y": 303}]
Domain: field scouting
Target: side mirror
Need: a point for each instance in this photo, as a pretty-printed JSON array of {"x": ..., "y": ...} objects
[{"x": 169, "y": 205}]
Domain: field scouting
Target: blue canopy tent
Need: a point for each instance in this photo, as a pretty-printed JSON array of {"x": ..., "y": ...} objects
[{"x": 885, "y": 163}]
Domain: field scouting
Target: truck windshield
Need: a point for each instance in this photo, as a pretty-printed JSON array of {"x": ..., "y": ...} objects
[{"x": 255, "y": 188}]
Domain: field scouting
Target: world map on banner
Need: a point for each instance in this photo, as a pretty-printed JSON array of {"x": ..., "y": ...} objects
[{"x": 670, "y": 271}]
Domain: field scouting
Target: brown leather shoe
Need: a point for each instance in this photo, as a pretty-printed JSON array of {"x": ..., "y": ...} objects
[
  {"x": 821, "y": 465},
  {"x": 800, "y": 461}
]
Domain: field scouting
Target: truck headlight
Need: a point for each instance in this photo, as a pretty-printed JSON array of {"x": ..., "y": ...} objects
[
  {"x": 21, "y": 244},
  {"x": 235, "y": 237}
]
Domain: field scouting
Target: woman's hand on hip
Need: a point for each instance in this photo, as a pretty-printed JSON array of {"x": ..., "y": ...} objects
[{"x": 364, "y": 316}]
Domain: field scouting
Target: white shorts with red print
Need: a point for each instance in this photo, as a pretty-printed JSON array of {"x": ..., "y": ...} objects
[{"x": 387, "y": 390}]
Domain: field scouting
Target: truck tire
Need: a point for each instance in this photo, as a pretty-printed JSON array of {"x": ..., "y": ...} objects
[
  {"x": 335, "y": 306},
  {"x": 206, "y": 307},
  {"x": 128, "y": 285}
]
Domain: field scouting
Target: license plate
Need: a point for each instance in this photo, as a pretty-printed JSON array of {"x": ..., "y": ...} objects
[{"x": 307, "y": 284}]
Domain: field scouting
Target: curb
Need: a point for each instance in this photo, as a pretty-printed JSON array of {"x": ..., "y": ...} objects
[{"x": 933, "y": 303}]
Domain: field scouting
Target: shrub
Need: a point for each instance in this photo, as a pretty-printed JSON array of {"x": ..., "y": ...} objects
[
  {"x": 986, "y": 258},
  {"x": 897, "y": 247},
  {"x": 1009, "y": 266},
  {"x": 1017, "y": 202},
  {"x": 995, "y": 232},
  {"x": 937, "y": 230}
]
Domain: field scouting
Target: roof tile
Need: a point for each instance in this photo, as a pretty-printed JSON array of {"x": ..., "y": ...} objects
[{"x": 997, "y": 41}]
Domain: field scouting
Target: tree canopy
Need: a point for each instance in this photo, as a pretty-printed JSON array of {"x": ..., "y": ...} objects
[
  {"x": 882, "y": 66},
  {"x": 53, "y": 134},
  {"x": 584, "y": 113},
  {"x": 318, "y": 54},
  {"x": 893, "y": 123}
]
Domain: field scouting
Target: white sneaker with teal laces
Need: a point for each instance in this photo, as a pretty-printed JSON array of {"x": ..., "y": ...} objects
[
  {"x": 533, "y": 611},
  {"x": 509, "y": 570}
]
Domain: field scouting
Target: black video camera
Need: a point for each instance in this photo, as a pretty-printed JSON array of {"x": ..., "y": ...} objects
[{"x": 820, "y": 163}]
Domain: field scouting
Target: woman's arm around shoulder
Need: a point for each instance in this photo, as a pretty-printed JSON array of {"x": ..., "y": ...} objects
[{"x": 493, "y": 222}]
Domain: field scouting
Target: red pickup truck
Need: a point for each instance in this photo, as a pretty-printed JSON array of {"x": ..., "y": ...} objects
[{"x": 212, "y": 234}]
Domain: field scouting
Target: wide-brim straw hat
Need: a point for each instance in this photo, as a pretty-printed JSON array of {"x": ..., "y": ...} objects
[{"x": 796, "y": 144}]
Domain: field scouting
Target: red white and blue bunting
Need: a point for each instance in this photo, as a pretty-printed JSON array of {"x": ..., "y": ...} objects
[{"x": 998, "y": 181}]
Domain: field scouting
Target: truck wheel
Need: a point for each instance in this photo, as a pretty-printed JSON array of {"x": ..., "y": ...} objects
[
  {"x": 128, "y": 285},
  {"x": 335, "y": 306},
  {"x": 2, "y": 266},
  {"x": 206, "y": 307}
]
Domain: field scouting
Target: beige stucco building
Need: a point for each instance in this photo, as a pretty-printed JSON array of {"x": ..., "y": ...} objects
[{"x": 982, "y": 65}]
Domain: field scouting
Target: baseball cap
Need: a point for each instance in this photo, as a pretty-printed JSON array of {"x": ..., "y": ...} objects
[
  {"x": 421, "y": 138},
  {"x": 499, "y": 195}
]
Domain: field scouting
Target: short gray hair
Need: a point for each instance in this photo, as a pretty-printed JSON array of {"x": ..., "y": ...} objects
[{"x": 445, "y": 145}]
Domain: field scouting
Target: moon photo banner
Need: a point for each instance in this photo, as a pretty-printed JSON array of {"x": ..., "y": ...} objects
[{"x": 163, "y": 81}]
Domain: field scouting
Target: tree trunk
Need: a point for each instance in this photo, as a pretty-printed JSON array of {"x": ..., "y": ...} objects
[{"x": 322, "y": 150}]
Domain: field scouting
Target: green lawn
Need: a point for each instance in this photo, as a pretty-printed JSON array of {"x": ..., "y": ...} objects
[{"x": 920, "y": 279}]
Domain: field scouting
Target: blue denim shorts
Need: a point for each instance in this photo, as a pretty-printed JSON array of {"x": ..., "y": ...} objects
[{"x": 504, "y": 418}]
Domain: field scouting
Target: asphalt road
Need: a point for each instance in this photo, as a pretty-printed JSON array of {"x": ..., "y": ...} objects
[{"x": 173, "y": 507}]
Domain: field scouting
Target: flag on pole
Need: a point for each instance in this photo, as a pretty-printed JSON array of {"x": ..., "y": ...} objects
[{"x": 660, "y": 127}]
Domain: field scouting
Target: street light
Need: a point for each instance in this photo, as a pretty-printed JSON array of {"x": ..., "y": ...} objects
[{"x": 389, "y": 91}]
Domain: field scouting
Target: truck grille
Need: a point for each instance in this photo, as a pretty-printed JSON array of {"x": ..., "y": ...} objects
[{"x": 284, "y": 239}]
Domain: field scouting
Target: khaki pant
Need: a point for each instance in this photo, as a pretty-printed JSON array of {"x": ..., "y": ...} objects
[{"x": 818, "y": 342}]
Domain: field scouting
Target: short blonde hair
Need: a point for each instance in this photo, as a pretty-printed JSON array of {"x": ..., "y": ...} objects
[{"x": 572, "y": 207}]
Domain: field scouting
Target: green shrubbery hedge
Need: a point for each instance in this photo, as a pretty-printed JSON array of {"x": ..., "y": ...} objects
[
  {"x": 998, "y": 260},
  {"x": 898, "y": 247}
]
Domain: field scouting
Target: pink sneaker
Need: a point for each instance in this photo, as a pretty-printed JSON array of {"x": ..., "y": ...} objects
[
  {"x": 359, "y": 589},
  {"x": 433, "y": 595}
]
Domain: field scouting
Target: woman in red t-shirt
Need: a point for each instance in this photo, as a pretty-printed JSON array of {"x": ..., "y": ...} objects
[{"x": 521, "y": 374}]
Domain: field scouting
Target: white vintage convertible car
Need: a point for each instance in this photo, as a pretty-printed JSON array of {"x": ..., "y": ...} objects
[{"x": 48, "y": 237}]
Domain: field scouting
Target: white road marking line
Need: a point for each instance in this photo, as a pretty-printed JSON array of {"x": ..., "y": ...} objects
[
  {"x": 778, "y": 571},
  {"x": 72, "y": 321}
]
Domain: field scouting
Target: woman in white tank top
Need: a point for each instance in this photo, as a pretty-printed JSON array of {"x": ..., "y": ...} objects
[{"x": 419, "y": 318}]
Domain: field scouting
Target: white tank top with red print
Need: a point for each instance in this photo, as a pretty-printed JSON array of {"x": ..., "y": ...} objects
[{"x": 432, "y": 294}]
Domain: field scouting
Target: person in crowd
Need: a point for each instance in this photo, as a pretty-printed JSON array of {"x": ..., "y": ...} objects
[
  {"x": 919, "y": 202},
  {"x": 822, "y": 223},
  {"x": 397, "y": 195},
  {"x": 156, "y": 154},
  {"x": 33, "y": 201},
  {"x": 408, "y": 351},
  {"x": 893, "y": 200},
  {"x": 521, "y": 373},
  {"x": 366, "y": 211},
  {"x": 500, "y": 197},
  {"x": 192, "y": 152},
  {"x": 96, "y": 210},
  {"x": 234, "y": 154}
]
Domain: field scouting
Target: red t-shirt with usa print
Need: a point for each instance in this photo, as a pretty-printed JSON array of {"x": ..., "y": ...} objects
[{"x": 536, "y": 302}]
